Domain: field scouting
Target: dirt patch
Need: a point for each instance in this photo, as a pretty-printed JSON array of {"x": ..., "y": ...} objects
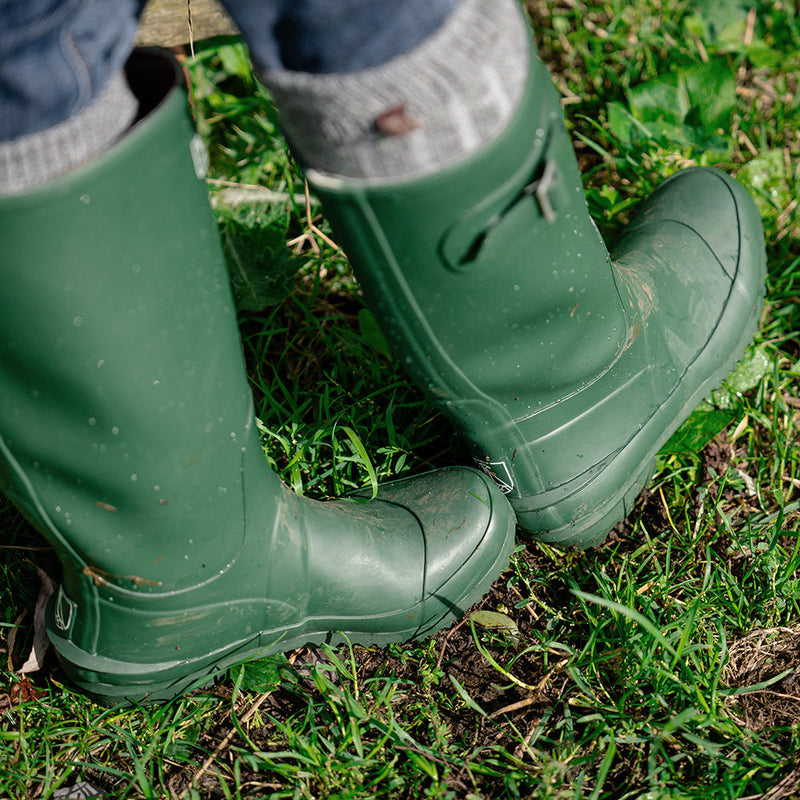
[
  {"x": 649, "y": 510},
  {"x": 757, "y": 658}
]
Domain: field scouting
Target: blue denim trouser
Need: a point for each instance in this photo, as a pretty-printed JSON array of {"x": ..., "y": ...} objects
[{"x": 56, "y": 55}]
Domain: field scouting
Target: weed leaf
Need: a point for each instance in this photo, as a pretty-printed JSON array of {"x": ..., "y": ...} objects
[
  {"x": 263, "y": 675},
  {"x": 372, "y": 334},
  {"x": 699, "y": 428},
  {"x": 462, "y": 693},
  {"x": 691, "y": 107},
  {"x": 260, "y": 264},
  {"x": 496, "y": 621},
  {"x": 768, "y": 181}
]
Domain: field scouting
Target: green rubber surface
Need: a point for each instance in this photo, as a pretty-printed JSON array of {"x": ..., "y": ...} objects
[{"x": 127, "y": 437}]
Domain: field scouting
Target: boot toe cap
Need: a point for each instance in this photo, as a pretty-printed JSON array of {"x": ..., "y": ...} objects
[
  {"x": 469, "y": 532},
  {"x": 714, "y": 206}
]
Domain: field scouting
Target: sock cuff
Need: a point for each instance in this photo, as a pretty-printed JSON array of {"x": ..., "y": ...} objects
[
  {"x": 36, "y": 158},
  {"x": 417, "y": 112}
]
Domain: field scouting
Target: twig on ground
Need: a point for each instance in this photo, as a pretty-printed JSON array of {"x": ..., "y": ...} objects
[
  {"x": 238, "y": 194},
  {"x": 301, "y": 241},
  {"x": 446, "y": 641},
  {"x": 534, "y": 696}
]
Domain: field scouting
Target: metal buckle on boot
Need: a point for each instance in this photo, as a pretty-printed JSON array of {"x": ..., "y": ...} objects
[{"x": 541, "y": 188}]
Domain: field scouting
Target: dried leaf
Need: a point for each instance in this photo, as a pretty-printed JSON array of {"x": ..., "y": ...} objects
[
  {"x": 40, "y": 640},
  {"x": 24, "y": 692}
]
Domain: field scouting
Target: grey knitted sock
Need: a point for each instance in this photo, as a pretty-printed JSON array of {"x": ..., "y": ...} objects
[
  {"x": 36, "y": 158},
  {"x": 417, "y": 112}
]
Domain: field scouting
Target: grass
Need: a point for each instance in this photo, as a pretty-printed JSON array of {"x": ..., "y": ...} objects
[{"x": 660, "y": 664}]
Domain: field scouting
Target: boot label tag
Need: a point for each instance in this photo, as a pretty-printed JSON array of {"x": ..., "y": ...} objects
[
  {"x": 499, "y": 472},
  {"x": 64, "y": 610}
]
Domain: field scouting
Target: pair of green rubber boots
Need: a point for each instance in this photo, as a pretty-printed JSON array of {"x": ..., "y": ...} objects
[{"x": 127, "y": 433}]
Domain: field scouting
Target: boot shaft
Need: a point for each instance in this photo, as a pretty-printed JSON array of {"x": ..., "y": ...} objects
[
  {"x": 124, "y": 408},
  {"x": 491, "y": 281},
  {"x": 445, "y": 262}
]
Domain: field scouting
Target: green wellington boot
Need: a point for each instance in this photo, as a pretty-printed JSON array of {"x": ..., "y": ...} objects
[
  {"x": 128, "y": 439},
  {"x": 564, "y": 369}
]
